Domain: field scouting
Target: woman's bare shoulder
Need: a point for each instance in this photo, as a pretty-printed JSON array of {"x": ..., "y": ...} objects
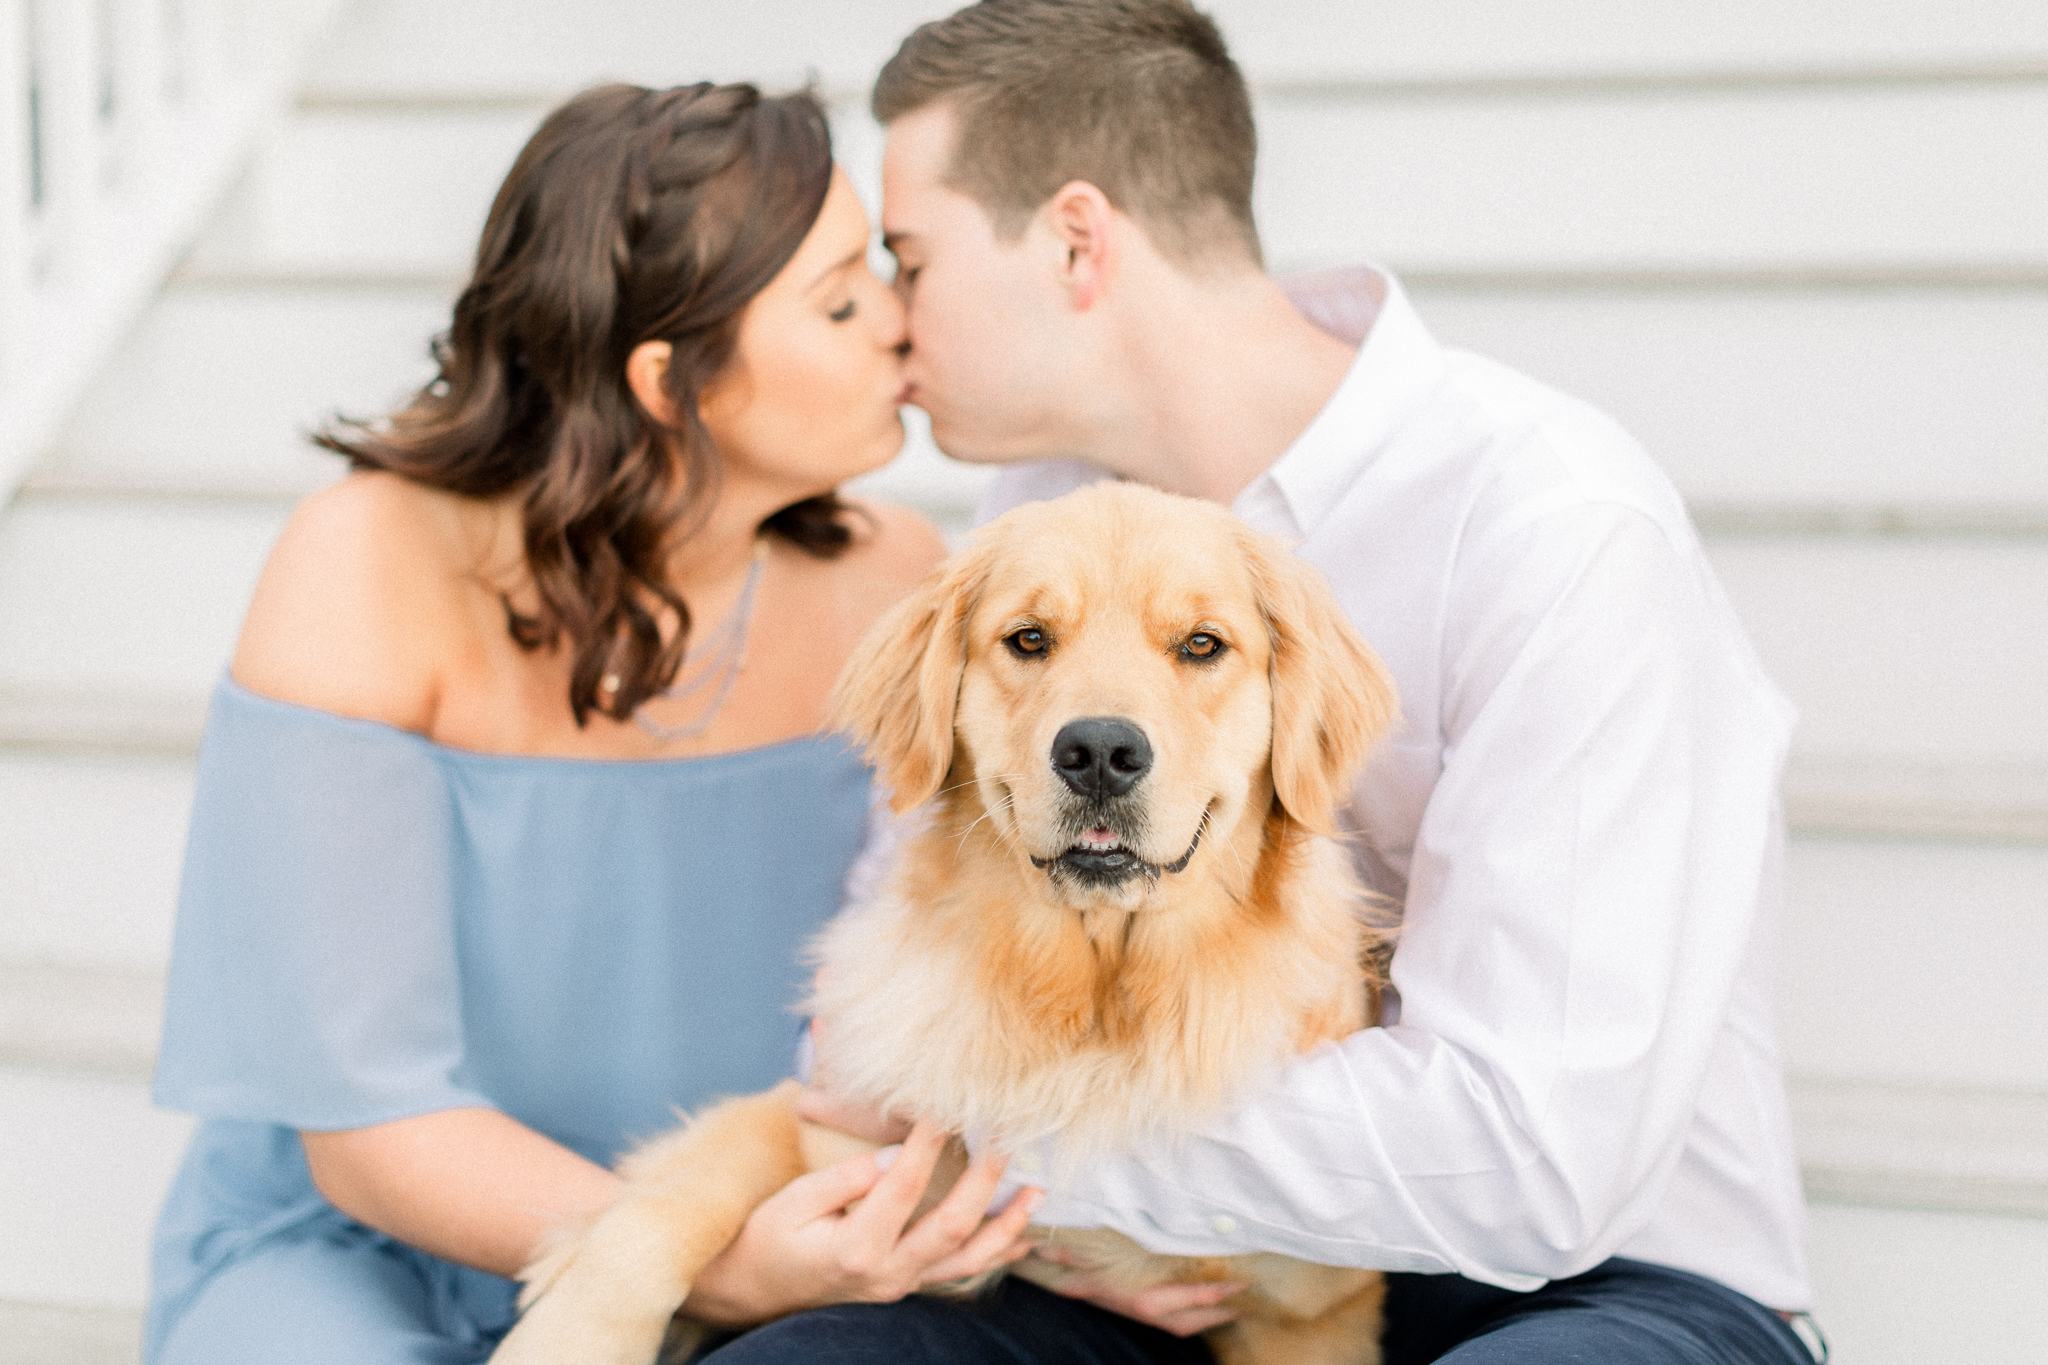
[
  {"x": 894, "y": 546},
  {"x": 893, "y": 549},
  {"x": 365, "y": 599}
]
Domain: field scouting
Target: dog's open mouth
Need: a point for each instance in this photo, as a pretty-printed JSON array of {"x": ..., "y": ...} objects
[{"x": 1098, "y": 857}]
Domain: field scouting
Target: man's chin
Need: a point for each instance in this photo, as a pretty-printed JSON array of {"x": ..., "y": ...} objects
[{"x": 971, "y": 446}]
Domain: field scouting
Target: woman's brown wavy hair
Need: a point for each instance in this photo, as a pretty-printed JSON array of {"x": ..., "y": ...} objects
[{"x": 631, "y": 215}]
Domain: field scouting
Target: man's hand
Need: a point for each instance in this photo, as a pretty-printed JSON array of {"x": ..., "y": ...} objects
[
  {"x": 1182, "y": 1309},
  {"x": 819, "y": 1104},
  {"x": 805, "y": 1247},
  {"x": 863, "y": 1121}
]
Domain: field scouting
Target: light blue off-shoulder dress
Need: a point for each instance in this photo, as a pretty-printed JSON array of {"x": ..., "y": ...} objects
[{"x": 373, "y": 926}]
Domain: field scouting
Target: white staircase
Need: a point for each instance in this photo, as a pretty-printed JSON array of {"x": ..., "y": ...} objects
[{"x": 1801, "y": 250}]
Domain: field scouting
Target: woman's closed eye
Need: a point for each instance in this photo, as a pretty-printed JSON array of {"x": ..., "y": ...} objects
[{"x": 844, "y": 312}]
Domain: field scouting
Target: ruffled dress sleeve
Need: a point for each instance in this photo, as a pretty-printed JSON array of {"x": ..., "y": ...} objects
[{"x": 313, "y": 979}]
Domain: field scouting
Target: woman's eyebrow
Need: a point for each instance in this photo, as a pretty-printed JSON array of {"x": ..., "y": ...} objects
[{"x": 829, "y": 271}]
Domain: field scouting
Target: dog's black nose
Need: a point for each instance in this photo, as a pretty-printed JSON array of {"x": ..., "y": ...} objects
[{"x": 1101, "y": 756}]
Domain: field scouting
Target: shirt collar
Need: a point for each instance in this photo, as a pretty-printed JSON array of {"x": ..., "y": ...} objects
[{"x": 1398, "y": 362}]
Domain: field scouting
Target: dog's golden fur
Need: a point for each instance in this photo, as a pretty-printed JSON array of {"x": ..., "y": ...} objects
[{"x": 1049, "y": 960}]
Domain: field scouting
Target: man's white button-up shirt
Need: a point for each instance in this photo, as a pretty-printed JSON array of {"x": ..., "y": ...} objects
[{"x": 1578, "y": 818}]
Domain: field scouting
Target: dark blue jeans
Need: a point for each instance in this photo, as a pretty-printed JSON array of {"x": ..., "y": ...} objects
[{"x": 1619, "y": 1313}]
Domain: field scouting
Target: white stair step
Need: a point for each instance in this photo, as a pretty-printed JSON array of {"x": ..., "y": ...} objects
[
  {"x": 88, "y": 1162},
  {"x": 1903, "y": 1287},
  {"x": 1752, "y": 395},
  {"x": 1647, "y": 181},
  {"x": 1924, "y": 1146},
  {"x": 1847, "y": 796},
  {"x": 394, "y": 50},
  {"x": 88, "y": 599},
  {"x": 1915, "y": 962},
  {"x": 94, "y": 843},
  {"x": 220, "y": 383},
  {"x": 368, "y": 192},
  {"x": 59, "y": 1334},
  {"x": 1914, "y": 647},
  {"x": 80, "y": 1021},
  {"x": 80, "y": 722},
  {"x": 1453, "y": 40}
]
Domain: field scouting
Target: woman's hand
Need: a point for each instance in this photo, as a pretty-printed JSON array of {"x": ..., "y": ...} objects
[
  {"x": 1182, "y": 1309},
  {"x": 805, "y": 1247}
]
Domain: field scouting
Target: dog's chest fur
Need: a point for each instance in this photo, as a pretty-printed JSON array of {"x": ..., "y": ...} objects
[{"x": 960, "y": 995}]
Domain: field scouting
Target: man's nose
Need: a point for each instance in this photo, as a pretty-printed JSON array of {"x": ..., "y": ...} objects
[
  {"x": 1101, "y": 756},
  {"x": 893, "y": 328},
  {"x": 897, "y": 333}
]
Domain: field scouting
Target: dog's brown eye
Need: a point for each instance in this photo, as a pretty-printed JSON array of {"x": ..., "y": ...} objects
[
  {"x": 1201, "y": 645},
  {"x": 1026, "y": 642}
]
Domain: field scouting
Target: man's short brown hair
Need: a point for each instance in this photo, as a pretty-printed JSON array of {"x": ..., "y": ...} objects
[{"x": 1137, "y": 97}]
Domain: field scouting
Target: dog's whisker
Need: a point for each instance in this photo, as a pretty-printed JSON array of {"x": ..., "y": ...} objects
[
  {"x": 962, "y": 786},
  {"x": 1008, "y": 837},
  {"x": 1013, "y": 839},
  {"x": 1244, "y": 872},
  {"x": 1237, "y": 855},
  {"x": 988, "y": 814},
  {"x": 1244, "y": 875}
]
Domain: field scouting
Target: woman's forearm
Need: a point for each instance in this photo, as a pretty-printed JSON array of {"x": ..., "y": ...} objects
[{"x": 467, "y": 1185}]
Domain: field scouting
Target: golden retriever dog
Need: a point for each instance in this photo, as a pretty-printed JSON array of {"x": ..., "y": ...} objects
[{"x": 1125, "y": 724}]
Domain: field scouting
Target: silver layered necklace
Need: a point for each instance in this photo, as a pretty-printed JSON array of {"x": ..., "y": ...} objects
[{"x": 719, "y": 657}]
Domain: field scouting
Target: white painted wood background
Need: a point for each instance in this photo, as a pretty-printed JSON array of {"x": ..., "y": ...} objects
[{"x": 1801, "y": 249}]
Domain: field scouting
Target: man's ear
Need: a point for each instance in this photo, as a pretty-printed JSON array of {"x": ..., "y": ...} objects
[
  {"x": 900, "y": 690},
  {"x": 1332, "y": 698},
  {"x": 647, "y": 377},
  {"x": 1085, "y": 226}
]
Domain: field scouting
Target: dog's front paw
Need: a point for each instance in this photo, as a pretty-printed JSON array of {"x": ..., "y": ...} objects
[
  {"x": 601, "y": 1291},
  {"x": 576, "y": 1322},
  {"x": 557, "y": 1253}
]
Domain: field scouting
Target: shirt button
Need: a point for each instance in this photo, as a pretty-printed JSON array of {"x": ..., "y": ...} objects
[
  {"x": 1026, "y": 1163},
  {"x": 1224, "y": 1224}
]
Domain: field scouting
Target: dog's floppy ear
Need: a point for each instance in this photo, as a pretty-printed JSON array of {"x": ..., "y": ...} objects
[
  {"x": 1332, "y": 698},
  {"x": 898, "y": 692}
]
